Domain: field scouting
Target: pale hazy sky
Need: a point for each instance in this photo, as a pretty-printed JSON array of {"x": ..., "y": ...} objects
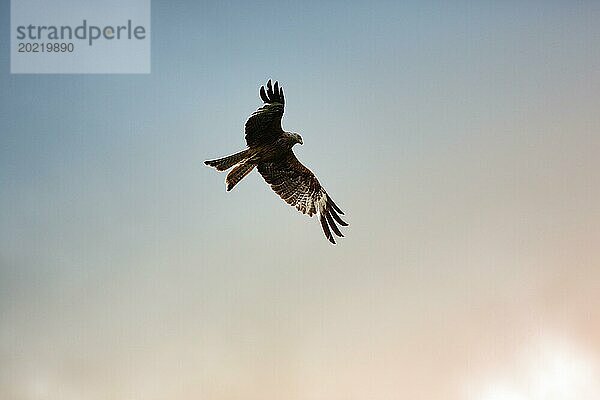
[{"x": 461, "y": 139}]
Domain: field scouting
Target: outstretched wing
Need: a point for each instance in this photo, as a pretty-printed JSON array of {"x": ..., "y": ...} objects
[
  {"x": 299, "y": 187},
  {"x": 264, "y": 125}
]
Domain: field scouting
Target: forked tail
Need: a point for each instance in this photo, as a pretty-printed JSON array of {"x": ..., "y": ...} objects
[
  {"x": 238, "y": 173},
  {"x": 225, "y": 163}
]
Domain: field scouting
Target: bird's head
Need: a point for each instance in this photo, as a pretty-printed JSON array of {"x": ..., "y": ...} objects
[{"x": 298, "y": 138}]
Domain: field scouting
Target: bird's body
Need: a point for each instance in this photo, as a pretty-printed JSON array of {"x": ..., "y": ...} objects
[
  {"x": 270, "y": 151},
  {"x": 274, "y": 151}
]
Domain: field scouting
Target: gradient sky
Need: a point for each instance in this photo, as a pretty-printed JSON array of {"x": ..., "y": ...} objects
[{"x": 461, "y": 138}]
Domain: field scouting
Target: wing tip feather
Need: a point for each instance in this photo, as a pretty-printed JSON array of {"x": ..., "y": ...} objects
[
  {"x": 263, "y": 95},
  {"x": 326, "y": 230},
  {"x": 332, "y": 224},
  {"x": 272, "y": 93}
]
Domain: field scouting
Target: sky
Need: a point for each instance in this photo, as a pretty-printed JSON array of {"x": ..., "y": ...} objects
[{"x": 460, "y": 138}]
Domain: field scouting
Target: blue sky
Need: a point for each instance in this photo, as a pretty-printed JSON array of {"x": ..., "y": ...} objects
[{"x": 460, "y": 138}]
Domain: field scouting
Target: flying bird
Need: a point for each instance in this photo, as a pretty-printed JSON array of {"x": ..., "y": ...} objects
[{"x": 269, "y": 149}]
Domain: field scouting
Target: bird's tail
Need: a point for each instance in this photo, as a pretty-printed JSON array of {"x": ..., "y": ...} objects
[
  {"x": 238, "y": 173},
  {"x": 225, "y": 163}
]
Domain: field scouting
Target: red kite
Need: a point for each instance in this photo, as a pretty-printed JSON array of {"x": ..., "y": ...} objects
[{"x": 270, "y": 150}]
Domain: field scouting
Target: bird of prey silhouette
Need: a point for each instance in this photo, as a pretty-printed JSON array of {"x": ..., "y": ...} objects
[{"x": 269, "y": 149}]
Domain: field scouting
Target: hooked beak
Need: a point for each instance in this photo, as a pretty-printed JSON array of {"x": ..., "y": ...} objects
[{"x": 300, "y": 140}]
